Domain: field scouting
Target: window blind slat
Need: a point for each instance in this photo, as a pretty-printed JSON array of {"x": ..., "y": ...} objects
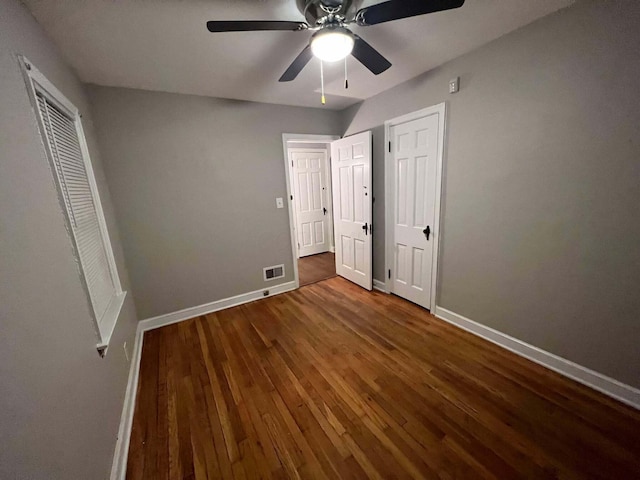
[
  {"x": 64, "y": 123},
  {"x": 44, "y": 113}
]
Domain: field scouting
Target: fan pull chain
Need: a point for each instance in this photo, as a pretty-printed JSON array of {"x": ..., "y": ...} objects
[
  {"x": 346, "y": 76},
  {"x": 322, "y": 82}
]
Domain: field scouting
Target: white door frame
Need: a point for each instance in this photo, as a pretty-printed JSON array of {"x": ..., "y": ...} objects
[
  {"x": 389, "y": 188},
  {"x": 300, "y": 138}
]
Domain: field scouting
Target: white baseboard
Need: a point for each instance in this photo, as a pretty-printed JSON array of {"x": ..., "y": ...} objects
[
  {"x": 187, "y": 313},
  {"x": 119, "y": 466},
  {"x": 380, "y": 286},
  {"x": 332, "y": 249},
  {"x": 609, "y": 386}
]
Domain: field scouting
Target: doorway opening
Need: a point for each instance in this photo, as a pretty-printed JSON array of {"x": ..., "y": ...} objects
[
  {"x": 315, "y": 268},
  {"x": 308, "y": 169}
]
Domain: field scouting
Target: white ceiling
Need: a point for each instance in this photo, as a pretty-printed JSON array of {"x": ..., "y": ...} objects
[{"x": 164, "y": 45}]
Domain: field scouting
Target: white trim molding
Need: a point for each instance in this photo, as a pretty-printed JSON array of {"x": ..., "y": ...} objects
[
  {"x": 603, "y": 384},
  {"x": 380, "y": 286},
  {"x": 119, "y": 465},
  {"x": 187, "y": 313}
]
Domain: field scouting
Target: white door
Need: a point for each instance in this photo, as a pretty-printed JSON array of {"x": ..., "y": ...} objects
[
  {"x": 414, "y": 147},
  {"x": 352, "y": 207},
  {"x": 309, "y": 191}
]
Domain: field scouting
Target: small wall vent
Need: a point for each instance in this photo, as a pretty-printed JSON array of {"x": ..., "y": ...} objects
[{"x": 271, "y": 273}]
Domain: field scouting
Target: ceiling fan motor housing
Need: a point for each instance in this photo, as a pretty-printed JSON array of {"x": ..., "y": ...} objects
[{"x": 312, "y": 9}]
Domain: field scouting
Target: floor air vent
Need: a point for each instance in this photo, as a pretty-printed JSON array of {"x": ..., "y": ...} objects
[{"x": 271, "y": 273}]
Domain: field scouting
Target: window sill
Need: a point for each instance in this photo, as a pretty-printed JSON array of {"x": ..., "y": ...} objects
[{"x": 108, "y": 322}]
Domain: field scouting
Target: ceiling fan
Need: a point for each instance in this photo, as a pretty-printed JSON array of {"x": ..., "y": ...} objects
[{"x": 330, "y": 19}]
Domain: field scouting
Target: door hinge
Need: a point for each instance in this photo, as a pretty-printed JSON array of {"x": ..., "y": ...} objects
[
  {"x": 389, "y": 147},
  {"x": 291, "y": 196},
  {"x": 292, "y": 163},
  {"x": 389, "y": 273}
]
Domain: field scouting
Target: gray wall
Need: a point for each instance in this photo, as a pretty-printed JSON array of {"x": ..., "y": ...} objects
[
  {"x": 194, "y": 181},
  {"x": 60, "y": 403},
  {"x": 542, "y": 183}
]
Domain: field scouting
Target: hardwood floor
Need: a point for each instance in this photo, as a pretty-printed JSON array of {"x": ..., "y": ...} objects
[
  {"x": 314, "y": 268},
  {"x": 330, "y": 381}
]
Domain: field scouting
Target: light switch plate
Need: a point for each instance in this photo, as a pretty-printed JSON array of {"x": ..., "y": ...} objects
[
  {"x": 454, "y": 85},
  {"x": 279, "y": 202}
]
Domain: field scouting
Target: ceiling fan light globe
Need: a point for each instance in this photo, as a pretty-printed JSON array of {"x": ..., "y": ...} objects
[{"x": 332, "y": 45}]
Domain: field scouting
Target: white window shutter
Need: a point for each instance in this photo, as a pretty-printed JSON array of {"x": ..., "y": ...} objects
[{"x": 62, "y": 136}]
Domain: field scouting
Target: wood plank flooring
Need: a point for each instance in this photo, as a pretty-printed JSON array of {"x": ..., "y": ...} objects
[
  {"x": 318, "y": 267},
  {"x": 331, "y": 381}
]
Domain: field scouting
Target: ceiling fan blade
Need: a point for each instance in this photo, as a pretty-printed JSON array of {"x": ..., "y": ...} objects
[
  {"x": 298, "y": 64},
  {"x": 369, "y": 56},
  {"x": 397, "y": 9},
  {"x": 253, "y": 26}
]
